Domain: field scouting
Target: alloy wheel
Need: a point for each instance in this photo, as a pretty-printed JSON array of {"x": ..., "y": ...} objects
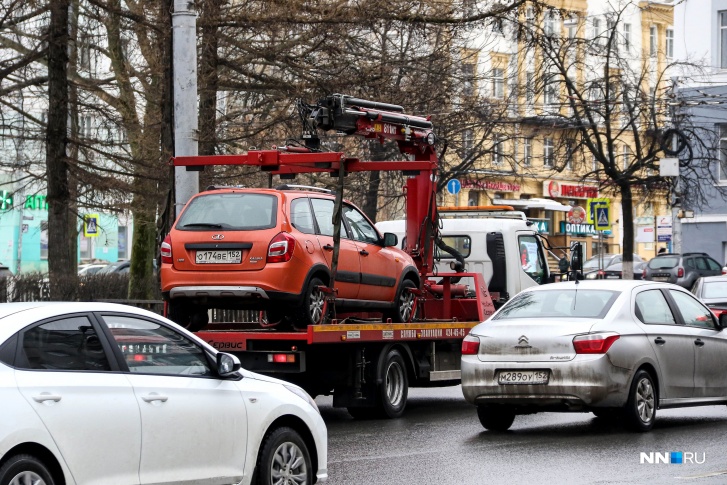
[
  {"x": 406, "y": 304},
  {"x": 317, "y": 302},
  {"x": 288, "y": 466},
  {"x": 645, "y": 400},
  {"x": 27, "y": 478}
]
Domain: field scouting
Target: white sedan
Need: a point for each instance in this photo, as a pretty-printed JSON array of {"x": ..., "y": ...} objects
[{"x": 97, "y": 393}]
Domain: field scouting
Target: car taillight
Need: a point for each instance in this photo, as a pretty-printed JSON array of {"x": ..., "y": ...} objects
[
  {"x": 470, "y": 345},
  {"x": 595, "y": 343},
  {"x": 680, "y": 272},
  {"x": 601, "y": 274},
  {"x": 643, "y": 273},
  {"x": 281, "y": 248},
  {"x": 166, "y": 250}
]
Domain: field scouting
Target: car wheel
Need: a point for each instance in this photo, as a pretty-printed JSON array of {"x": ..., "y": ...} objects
[
  {"x": 402, "y": 313},
  {"x": 25, "y": 469},
  {"x": 284, "y": 458},
  {"x": 198, "y": 320},
  {"x": 495, "y": 418},
  {"x": 607, "y": 414},
  {"x": 179, "y": 313},
  {"x": 311, "y": 313},
  {"x": 640, "y": 410}
]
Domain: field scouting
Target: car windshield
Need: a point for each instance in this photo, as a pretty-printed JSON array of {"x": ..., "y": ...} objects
[
  {"x": 110, "y": 268},
  {"x": 595, "y": 262},
  {"x": 663, "y": 262},
  {"x": 716, "y": 289},
  {"x": 232, "y": 211},
  {"x": 574, "y": 303}
]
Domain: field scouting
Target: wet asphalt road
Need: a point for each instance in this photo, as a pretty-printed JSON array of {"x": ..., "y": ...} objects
[{"x": 440, "y": 441}]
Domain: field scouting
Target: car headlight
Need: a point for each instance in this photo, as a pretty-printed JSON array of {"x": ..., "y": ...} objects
[
  {"x": 304, "y": 396},
  {"x": 592, "y": 275}
]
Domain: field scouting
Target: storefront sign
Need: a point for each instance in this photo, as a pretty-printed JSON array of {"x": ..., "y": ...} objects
[
  {"x": 490, "y": 185},
  {"x": 6, "y": 200},
  {"x": 577, "y": 215},
  {"x": 568, "y": 228},
  {"x": 36, "y": 202},
  {"x": 542, "y": 227},
  {"x": 555, "y": 189},
  {"x": 663, "y": 228}
]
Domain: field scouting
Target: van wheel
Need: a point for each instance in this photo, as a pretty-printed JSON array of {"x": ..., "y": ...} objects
[
  {"x": 21, "y": 469},
  {"x": 311, "y": 312},
  {"x": 403, "y": 311}
]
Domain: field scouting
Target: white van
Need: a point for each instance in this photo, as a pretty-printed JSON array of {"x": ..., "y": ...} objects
[{"x": 505, "y": 248}]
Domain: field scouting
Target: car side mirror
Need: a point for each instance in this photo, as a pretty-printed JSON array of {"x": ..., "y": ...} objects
[
  {"x": 576, "y": 258},
  {"x": 723, "y": 320},
  {"x": 390, "y": 239},
  {"x": 227, "y": 364}
]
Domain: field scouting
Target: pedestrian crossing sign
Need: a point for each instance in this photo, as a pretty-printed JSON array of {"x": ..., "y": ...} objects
[
  {"x": 602, "y": 218},
  {"x": 90, "y": 225}
]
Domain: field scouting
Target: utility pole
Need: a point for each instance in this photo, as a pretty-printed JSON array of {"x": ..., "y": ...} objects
[
  {"x": 676, "y": 222},
  {"x": 184, "y": 62}
]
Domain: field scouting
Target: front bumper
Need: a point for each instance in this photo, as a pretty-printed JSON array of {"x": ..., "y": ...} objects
[{"x": 584, "y": 382}]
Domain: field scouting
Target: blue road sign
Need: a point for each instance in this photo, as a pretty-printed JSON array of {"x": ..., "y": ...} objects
[
  {"x": 602, "y": 220},
  {"x": 454, "y": 186}
]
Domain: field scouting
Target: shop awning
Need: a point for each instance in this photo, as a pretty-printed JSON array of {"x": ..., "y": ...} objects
[{"x": 546, "y": 204}]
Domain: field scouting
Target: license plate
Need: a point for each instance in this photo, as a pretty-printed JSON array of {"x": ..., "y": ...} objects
[
  {"x": 523, "y": 377},
  {"x": 612, "y": 277},
  {"x": 218, "y": 257},
  {"x": 660, "y": 278}
]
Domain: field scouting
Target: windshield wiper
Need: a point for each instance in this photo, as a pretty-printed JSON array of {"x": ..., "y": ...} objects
[{"x": 203, "y": 224}]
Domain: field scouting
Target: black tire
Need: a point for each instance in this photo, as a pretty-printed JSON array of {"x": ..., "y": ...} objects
[
  {"x": 198, "y": 320},
  {"x": 311, "y": 310},
  {"x": 640, "y": 410},
  {"x": 496, "y": 418},
  {"x": 402, "y": 312},
  {"x": 394, "y": 387},
  {"x": 179, "y": 313},
  {"x": 25, "y": 469},
  {"x": 279, "y": 450}
]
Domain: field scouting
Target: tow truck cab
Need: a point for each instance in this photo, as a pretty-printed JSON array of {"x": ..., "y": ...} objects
[{"x": 503, "y": 246}]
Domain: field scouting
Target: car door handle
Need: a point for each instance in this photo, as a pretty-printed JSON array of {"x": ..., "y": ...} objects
[
  {"x": 659, "y": 341},
  {"x": 363, "y": 252},
  {"x": 154, "y": 397},
  {"x": 328, "y": 247},
  {"x": 46, "y": 396},
  {"x": 699, "y": 342}
]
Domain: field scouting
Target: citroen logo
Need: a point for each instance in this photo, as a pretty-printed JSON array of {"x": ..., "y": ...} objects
[
  {"x": 523, "y": 343},
  {"x": 218, "y": 236}
]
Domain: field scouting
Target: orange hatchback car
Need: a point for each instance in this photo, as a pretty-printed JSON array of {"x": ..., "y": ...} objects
[{"x": 271, "y": 249}]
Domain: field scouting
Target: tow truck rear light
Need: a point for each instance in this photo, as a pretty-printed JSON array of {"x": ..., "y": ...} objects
[
  {"x": 680, "y": 272},
  {"x": 166, "y": 250},
  {"x": 470, "y": 345},
  {"x": 281, "y": 358},
  {"x": 281, "y": 248},
  {"x": 595, "y": 343}
]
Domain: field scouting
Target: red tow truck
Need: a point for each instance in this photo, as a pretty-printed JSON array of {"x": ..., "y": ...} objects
[{"x": 367, "y": 365}]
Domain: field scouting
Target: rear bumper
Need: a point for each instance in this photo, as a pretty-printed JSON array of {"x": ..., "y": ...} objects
[
  {"x": 586, "y": 381},
  {"x": 218, "y": 292}
]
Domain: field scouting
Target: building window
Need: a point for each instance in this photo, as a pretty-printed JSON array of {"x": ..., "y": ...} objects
[
  {"x": 549, "y": 23},
  {"x": 652, "y": 41},
  {"x": 467, "y": 142},
  {"x": 595, "y": 29},
  {"x": 528, "y": 152},
  {"x": 498, "y": 83},
  {"x": 568, "y": 155},
  {"x": 669, "y": 43},
  {"x": 468, "y": 79},
  {"x": 722, "y": 168},
  {"x": 44, "y": 240},
  {"x": 529, "y": 88},
  {"x": 473, "y": 198},
  {"x": 497, "y": 156},
  {"x": 723, "y": 39},
  {"x": 550, "y": 90},
  {"x": 627, "y": 37},
  {"x": 611, "y": 33},
  {"x": 123, "y": 243},
  {"x": 548, "y": 152},
  {"x": 594, "y": 163},
  {"x": 571, "y": 25},
  {"x": 626, "y": 157}
]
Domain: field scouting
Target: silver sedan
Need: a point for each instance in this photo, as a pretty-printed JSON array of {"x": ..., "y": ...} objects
[{"x": 620, "y": 349}]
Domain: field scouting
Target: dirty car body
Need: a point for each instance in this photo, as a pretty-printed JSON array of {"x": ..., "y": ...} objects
[{"x": 578, "y": 347}]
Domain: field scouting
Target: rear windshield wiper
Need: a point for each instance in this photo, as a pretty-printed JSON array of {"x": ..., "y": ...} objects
[{"x": 203, "y": 224}]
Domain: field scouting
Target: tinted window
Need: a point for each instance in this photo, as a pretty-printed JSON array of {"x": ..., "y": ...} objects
[
  {"x": 693, "y": 312},
  {"x": 360, "y": 227},
  {"x": 663, "y": 262},
  {"x": 713, "y": 265},
  {"x": 68, "y": 344},
  {"x": 233, "y": 211},
  {"x": 716, "y": 289},
  {"x": 651, "y": 307},
  {"x": 690, "y": 263},
  {"x": 323, "y": 212},
  {"x": 7, "y": 350},
  {"x": 300, "y": 215},
  {"x": 152, "y": 348},
  {"x": 559, "y": 304},
  {"x": 701, "y": 263},
  {"x": 463, "y": 244}
]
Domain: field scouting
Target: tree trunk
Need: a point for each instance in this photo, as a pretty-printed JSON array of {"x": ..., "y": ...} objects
[
  {"x": 62, "y": 257},
  {"x": 627, "y": 207}
]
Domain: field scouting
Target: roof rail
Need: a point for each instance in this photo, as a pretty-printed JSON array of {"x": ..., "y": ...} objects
[
  {"x": 218, "y": 187},
  {"x": 481, "y": 211},
  {"x": 693, "y": 253},
  {"x": 304, "y": 187}
]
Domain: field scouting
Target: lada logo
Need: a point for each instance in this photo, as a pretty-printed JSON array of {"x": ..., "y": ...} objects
[
  {"x": 523, "y": 343},
  {"x": 218, "y": 236}
]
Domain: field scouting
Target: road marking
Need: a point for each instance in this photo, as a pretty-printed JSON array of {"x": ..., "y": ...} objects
[{"x": 706, "y": 475}]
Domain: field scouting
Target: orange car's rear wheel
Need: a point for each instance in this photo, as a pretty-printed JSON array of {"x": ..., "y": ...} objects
[{"x": 311, "y": 311}]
